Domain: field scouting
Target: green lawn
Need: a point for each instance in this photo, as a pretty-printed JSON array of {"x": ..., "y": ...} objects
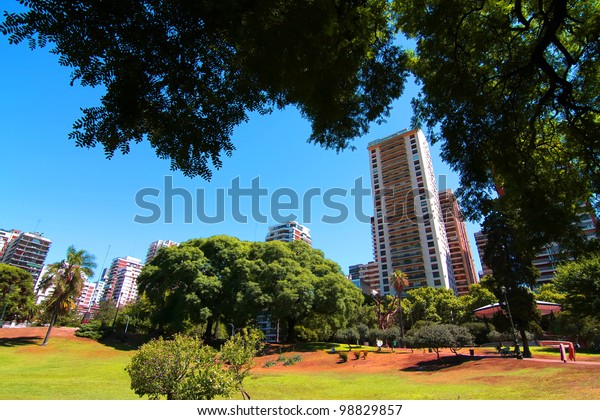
[
  {"x": 85, "y": 369},
  {"x": 64, "y": 369}
]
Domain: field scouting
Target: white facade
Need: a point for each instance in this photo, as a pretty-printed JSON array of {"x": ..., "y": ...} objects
[
  {"x": 121, "y": 281},
  {"x": 408, "y": 228},
  {"x": 156, "y": 245},
  {"x": 289, "y": 232}
]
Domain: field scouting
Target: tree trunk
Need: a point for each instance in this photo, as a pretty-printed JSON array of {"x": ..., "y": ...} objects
[
  {"x": 209, "y": 327},
  {"x": 52, "y": 321},
  {"x": 291, "y": 334},
  {"x": 526, "y": 350}
]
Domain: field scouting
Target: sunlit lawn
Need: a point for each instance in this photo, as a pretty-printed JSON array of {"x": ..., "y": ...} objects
[
  {"x": 85, "y": 369},
  {"x": 64, "y": 369}
]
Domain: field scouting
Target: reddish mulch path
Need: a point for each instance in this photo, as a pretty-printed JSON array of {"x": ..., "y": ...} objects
[
  {"x": 37, "y": 332},
  {"x": 401, "y": 360}
]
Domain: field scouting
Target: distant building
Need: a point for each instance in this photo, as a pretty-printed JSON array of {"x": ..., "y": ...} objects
[
  {"x": 289, "y": 232},
  {"x": 481, "y": 242},
  {"x": 85, "y": 300},
  {"x": 407, "y": 226},
  {"x": 121, "y": 280},
  {"x": 28, "y": 251},
  {"x": 6, "y": 236},
  {"x": 156, "y": 245},
  {"x": 458, "y": 242},
  {"x": 548, "y": 259},
  {"x": 354, "y": 274}
]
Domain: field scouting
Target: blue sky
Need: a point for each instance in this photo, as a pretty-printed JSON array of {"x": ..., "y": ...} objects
[{"x": 77, "y": 197}]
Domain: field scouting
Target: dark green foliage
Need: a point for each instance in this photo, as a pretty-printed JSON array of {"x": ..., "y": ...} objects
[
  {"x": 480, "y": 331},
  {"x": 183, "y": 75},
  {"x": 580, "y": 282},
  {"x": 343, "y": 356},
  {"x": 512, "y": 87},
  {"x": 347, "y": 335},
  {"x": 306, "y": 334},
  {"x": 439, "y": 336},
  {"x": 290, "y": 361},
  {"x": 227, "y": 281},
  {"x": 17, "y": 300},
  {"x": 94, "y": 330}
]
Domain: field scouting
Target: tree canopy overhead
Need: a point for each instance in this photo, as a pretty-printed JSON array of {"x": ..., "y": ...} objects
[
  {"x": 510, "y": 87},
  {"x": 184, "y": 74}
]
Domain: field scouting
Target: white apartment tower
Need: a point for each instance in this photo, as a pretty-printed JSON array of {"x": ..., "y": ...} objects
[
  {"x": 156, "y": 245},
  {"x": 408, "y": 228},
  {"x": 121, "y": 282},
  {"x": 288, "y": 232}
]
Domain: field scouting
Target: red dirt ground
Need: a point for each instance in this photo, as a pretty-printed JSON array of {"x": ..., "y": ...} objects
[{"x": 375, "y": 362}]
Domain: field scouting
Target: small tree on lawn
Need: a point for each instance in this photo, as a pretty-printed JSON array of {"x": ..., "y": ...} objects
[
  {"x": 185, "y": 369},
  {"x": 439, "y": 336},
  {"x": 238, "y": 353},
  {"x": 462, "y": 337}
]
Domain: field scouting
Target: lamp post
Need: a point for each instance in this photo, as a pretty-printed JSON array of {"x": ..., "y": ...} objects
[{"x": 512, "y": 324}]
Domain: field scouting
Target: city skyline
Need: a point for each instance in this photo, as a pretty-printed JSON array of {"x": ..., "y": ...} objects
[{"x": 77, "y": 197}]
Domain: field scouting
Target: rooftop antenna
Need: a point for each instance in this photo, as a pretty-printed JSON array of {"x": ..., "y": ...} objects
[{"x": 103, "y": 264}]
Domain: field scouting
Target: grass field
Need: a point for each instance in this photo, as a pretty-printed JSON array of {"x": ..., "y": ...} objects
[{"x": 73, "y": 368}]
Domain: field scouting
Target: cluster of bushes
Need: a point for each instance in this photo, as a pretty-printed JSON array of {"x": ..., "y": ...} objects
[
  {"x": 363, "y": 334},
  {"x": 286, "y": 361},
  {"x": 343, "y": 355}
]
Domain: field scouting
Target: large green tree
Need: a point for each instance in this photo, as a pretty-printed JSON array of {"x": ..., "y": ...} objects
[
  {"x": 224, "y": 280},
  {"x": 67, "y": 278},
  {"x": 183, "y": 75},
  {"x": 16, "y": 293},
  {"x": 580, "y": 282},
  {"x": 180, "y": 288}
]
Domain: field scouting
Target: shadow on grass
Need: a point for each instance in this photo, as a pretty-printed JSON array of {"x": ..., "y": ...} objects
[
  {"x": 440, "y": 364},
  {"x": 19, "y": 341},
  {"x": 122, "y": 342}
]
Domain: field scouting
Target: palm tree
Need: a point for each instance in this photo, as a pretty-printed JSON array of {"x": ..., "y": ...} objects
[
  {"x": 399, "y": 282},
  {"x": 67, "y": 277}
]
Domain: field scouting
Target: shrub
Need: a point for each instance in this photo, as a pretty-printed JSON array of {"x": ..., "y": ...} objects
[
  {"x": 347, "y": 335},
  {"x": 365, "y": 353},
  {"x": 270, "y": 363},
  {"x": 93, "y": 330},
  {"x": 344, "y": 356},
  {"x": 281, "y": 358},
  {"x": 305, "y": 334},
  {"x": 356, "y": 354}
]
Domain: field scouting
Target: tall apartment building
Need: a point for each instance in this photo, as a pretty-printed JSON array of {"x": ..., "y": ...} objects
[
  {"x": 6, "y": 236},
  {"x": 28, "y": 251},
  {"x": 289, "y": 232},
  {"x": 408, "y": 227},
  {"x": 156, "y": 245},
  {"x": 480, "y": 243},
  {"x": 458, "y": 242},
  {"x": 121, "y": 280},
  {"x": 548, "y": 259},
  {"x": 365, "y": 277}
]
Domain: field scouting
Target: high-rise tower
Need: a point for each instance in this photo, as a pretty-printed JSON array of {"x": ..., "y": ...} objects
[
  {"x": 408, "y": 227},
  {"x": 288, "y": 232},
  {"x": 458, "y": 242}
]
